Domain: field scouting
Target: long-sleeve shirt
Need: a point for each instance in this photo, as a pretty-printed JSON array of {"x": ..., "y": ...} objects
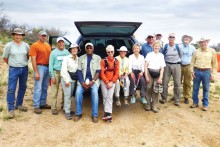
[
  {"x": 136, "y": 63},
  {"x": 56, "y": 59},
  {"x": 187, "y": 52},
  {"x": 110, "y": 73},
  {"x": 123, "y": 66},
  {"x": 69, "y": 64},
  {"x": 204, "y": 59}
]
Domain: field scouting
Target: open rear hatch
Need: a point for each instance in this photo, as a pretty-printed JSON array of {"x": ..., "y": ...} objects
[{"x": 107, "y": 28}]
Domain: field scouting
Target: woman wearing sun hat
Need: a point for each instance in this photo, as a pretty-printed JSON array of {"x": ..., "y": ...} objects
[
  {"x": 68, "y": 77},
  {"x": 154, "y": 67}
]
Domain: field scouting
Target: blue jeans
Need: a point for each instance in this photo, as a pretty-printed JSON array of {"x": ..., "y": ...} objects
[
  {"x": 79, "y": 97},
  {"x": 204, "y": 77},
  {"x": 41, "y": 86},
  {"x": 16, "y": 74}
]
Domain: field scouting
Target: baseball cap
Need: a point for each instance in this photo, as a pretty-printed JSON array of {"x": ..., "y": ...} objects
[
  {"x": 60, "y": 39},
  {"x": 42, "y": 33}
]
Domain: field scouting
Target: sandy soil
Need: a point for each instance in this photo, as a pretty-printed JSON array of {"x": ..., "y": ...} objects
[{"x": 131, "y": 126}]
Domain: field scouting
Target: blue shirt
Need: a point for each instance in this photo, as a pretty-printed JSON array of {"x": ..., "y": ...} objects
[
  {"x": 187, "y": 52},
  {"x": 146, "y": 48}
]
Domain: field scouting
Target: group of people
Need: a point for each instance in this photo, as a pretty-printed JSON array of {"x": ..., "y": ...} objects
[{"x": 148, "y": 69}]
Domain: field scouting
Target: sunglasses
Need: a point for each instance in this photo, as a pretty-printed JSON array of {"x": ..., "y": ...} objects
[
  {"x": 110, "y": 52},
  {"x": 158, "y": 35},
  {"x": 150, "y": 37},
  {"x": 171, "y": 37}
]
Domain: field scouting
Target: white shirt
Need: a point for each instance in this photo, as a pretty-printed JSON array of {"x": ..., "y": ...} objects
[
  {"x": 155, "y": 61},
  {"x": 136, "y": 63},
  {"x": 68, "y": 64}
]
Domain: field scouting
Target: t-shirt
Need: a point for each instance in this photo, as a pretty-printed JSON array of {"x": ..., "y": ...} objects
[
  {"x": 17, "y": 54},
  {"x": 172, "y": 55},
  {"x": 155, "y": 60},
  {"x": 41, "y": 51}
]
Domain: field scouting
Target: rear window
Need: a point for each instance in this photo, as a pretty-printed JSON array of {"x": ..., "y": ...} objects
[{"x": 101, "y": 43}]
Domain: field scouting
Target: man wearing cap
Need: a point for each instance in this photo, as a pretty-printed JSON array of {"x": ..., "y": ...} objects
[
  {"x": 55, "y": 63},
  {"x": 88, "y": 78},
  {"x": 203, "y": 68},
  {"x": 109, "y": 75},
  {"x": 172, "y": 56},
  {"x": 68, "y": 80},
  {"x": 15, "y": 54},
  {"x": 147, "y": 47},
  {"x": 187, "y": 51},
  {"x": 40, "y": 53},
  {"x": 123, "y": 76}
]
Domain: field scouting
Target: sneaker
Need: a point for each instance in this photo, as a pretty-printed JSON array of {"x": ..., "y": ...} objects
[
  {"x": 54, "y": 112},
  {"x": 154, "y": 109},
  {"x": 177, "y": 103},
  {"x": 11, "y": 114},
  {"x": 37, "y": 110},
  {"x": 147, "y": 108},
  {"x": 205, "y": 108},
  {"x": 186, "y": 101},
  {"x": 118, "y": 103},
  {"x": 109, "y": 118},
  {"x": 133, "y": 100},
  {"x": 194, "y": 105},
  {"x": 163, "y": 101},
  {"x": 126, "y": 101},
  {"x": 68, "y": 116},
  {"x": 95, "y": 119},
  {"x": 104, "y": 117},
  {"x": 77, "y": 117},
  {"x": 21, "y": 108},
  {"x": 45, "y": 106},
  {"x": 158, "y": 88},
  {"x": 143, "y": 100}
]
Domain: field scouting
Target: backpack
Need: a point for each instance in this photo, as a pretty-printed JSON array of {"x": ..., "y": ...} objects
[
  {"x": 165, "y": 49},
  {"x": 106, "y": 64}
]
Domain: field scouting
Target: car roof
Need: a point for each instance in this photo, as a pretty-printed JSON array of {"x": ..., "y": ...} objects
[{"x": 106, "y": 28}]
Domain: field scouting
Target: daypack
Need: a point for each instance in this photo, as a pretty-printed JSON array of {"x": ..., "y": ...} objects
[
  {"x": 106, "y": 64},
  {"x": 165, "y": 49}
]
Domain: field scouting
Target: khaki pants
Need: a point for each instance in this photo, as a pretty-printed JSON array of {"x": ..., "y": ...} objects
[
  {"x": 186, "y": 79},
  {"x": 118, "y": 87},
  {"x": 54, "y": 90},
  {"x": 152, "y": 97}
]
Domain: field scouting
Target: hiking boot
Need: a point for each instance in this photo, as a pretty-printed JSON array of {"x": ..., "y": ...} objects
[
  {"x": 147, "y": 108},
  {"x": 143, "y": 100},
  {"x": 205, "y": 108},
  {"x": 21, "y": 108},
  {"x": 154, "y": 109},
  {"x": 133, "y": 99},
  {"x": 37, "y": 110},
  {"x": 163, "y": 101},
  {"x": 118, "y": 103},
  {"x": 126, "y": 101},
  {"x": 77, "y": 117},
  {"x": 68, "y": 116},
  {"x": 172, "y": 99},
  {"x": 95, "y": 119},
  {"x": 177, "y": 103},
  {"x": 194, "y": 105},
  {"x": 54, "y": 112},
  {"x": 11, "y": 114},
  {"x": 45, "y": 106},
  {"x": 186, "y": 101}
]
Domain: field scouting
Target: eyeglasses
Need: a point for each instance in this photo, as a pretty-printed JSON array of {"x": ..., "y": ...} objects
[
  {"x": 110, "y": 52},
  {"x": 171, "y": 37}
]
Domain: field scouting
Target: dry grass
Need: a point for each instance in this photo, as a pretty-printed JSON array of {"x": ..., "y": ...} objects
[{"x": 3, "y": 78}]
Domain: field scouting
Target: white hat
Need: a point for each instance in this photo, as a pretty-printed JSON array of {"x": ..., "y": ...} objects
[
  {"x": 123, "y": 49},
  {"x": 42, "y": 33},
  {"x": 203, "y": 39},
  {"x": 18, "y": 31},
  {"x": 60, "y": 39},
  {"x": 150, "y": 35},
  {"x": 73, "y": 46},
  {"x": 89, "y": 43},
  {"x": 110, "y": 48}
]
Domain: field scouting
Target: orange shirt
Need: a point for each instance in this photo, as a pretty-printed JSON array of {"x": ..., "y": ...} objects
[
  {"x": 112, "y": 73},
  {"x": 41, "y": 51}
]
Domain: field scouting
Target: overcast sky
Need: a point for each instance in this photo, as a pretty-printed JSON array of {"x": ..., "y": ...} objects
[{"x": 199, "y": 18}]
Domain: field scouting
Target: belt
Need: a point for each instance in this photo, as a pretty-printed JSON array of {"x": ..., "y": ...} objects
[
  {"x": 173, "y": 63},
  {"x": 43, "y": 64},
  {"x": 202, "y": 68},
  {"x": 185, "y": 65}
]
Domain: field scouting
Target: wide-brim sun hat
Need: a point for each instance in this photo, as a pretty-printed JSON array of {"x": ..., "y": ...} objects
[
  {"x": 18, "y": 31},
  {"x": 203, "y": 39},
  {"x": 191, "y": 38},
  {"x": 74, "y": 45},
  {"x": 123, "y": 49}
]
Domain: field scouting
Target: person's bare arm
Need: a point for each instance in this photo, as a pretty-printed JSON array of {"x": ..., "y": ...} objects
[
  {"x": 6, "y": 60},
  {"x": 34, "y": 64}
]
